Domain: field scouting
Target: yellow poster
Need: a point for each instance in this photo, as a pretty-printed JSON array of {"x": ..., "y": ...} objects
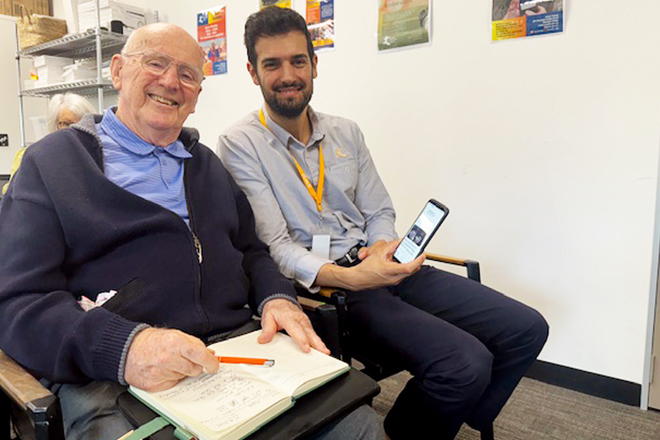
[{"x": 280, "y": 3}]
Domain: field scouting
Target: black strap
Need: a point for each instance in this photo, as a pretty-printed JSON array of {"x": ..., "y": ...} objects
[{"x": 351, "y": 258}]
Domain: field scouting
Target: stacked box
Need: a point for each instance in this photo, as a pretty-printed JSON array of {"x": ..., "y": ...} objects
[
  {"x": 50, "y": 69},
  {"x": 110, "y": 10},
  {"x": 80, "y": 71}
]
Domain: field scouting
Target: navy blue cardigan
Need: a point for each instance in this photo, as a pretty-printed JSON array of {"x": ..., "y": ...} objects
[{"x": 66, "y": 231}]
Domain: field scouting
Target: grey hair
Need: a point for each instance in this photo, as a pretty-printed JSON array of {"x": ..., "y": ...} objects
[{"x": 76, "y": 104}]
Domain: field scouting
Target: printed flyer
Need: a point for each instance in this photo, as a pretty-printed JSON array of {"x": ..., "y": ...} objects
[
  {"x": 525, "y": 18},
  {"x": 280, "y": 3},
  {"x": 212, "y": 38},
  {"x": 403, "y": 23},
  {"x": 321, "y": 23}
]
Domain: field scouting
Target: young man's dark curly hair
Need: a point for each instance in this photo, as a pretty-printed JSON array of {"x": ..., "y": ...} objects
[{"x": 273, "y": 21}]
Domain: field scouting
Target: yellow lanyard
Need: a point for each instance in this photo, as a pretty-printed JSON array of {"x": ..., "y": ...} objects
[{"x": 317, "y": 194}]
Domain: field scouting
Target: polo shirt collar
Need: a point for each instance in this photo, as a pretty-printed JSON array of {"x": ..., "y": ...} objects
[{"x": 122, "y": 135}]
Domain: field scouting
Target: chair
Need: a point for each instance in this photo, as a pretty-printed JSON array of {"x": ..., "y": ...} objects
[
  {"x": 33, "y": 411},
  {"x": 25, "y": 404},
  {"x": 372, "y": 368},
  {"x": 337, "y": 298}
]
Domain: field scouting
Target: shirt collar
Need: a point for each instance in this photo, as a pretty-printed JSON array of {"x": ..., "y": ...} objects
[
  {"x": 122, "y": 135},
  {"x": 285, "y": 137}
]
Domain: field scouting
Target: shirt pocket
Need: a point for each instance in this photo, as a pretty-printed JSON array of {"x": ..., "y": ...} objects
[
  {"x": 125, "y": 295},
  {"x": 342, "y": 179}
]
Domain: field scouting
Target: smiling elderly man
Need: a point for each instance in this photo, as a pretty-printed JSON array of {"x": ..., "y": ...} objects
[{"x": 130, "y": 205}]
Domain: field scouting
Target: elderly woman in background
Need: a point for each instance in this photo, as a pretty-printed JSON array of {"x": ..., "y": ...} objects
[{"x": 63, "y": 111}]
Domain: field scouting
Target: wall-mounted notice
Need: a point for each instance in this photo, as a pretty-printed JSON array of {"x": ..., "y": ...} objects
[
  {"x": 280, "y": 3},
  {"x": 212, "y": 38},
  {"x": 403, "y": 23},
  {"x": 321, "y": 23},
  {"x": 524, "y": 18}
]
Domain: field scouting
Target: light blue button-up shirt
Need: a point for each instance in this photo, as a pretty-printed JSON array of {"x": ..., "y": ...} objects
[
  {"x": 151, "y": 172},
  {"x": 356, "y": 207}
]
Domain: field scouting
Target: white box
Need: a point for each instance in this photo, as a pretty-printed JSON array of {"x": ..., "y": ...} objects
[
  {"x": 131, "y": 16},
  {"x": 44, "y": 60}
]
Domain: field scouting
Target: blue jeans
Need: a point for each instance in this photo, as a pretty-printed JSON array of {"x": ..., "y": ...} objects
[{"x": 89, "y": 412}]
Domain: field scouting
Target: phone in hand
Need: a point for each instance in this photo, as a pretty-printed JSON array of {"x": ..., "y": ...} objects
[{"x": 420, "y": 233}]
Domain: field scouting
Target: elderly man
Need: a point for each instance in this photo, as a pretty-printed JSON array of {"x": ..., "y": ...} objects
[
  {"x": 310, "y": 180},
  {"x": 132, "y": 207}
]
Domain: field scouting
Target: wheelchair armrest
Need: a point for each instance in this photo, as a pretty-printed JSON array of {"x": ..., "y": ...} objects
[
  {"x": 39, "y": 407},
  {"x": 472, "y": 267}
]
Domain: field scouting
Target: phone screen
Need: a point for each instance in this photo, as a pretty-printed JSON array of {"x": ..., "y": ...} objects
[{"x": 420, "y": 233}]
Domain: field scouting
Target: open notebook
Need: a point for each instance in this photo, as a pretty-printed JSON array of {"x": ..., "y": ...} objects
[{"x": 236, "y": 401}]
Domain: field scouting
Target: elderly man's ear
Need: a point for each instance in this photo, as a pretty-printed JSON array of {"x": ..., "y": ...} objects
[{"x": 116, "y": 64}]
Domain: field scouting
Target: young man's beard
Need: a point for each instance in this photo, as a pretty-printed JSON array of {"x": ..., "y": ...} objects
[{"x": 288, "y": 108}]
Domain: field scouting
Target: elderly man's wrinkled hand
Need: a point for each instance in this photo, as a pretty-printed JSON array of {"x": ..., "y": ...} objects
[
  {"x": 282, "y": 314},
  {"x": 159, "y": 358}
]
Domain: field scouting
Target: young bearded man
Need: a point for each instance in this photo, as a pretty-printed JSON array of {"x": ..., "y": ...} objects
[{"x": 309, "y": 178}]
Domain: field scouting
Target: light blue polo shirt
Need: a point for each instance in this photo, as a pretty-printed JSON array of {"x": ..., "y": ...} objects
[{"x": 151, "y": 172}]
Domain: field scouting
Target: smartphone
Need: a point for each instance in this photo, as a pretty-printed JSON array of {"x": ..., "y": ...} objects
[{"x": 420, "y": 233}]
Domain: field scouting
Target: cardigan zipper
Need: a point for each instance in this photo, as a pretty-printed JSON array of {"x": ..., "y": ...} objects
[{"x": 198, "y": 247}]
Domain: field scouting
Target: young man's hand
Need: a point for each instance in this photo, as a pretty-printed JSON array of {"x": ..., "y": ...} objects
[{"x": 377, "y": 269}]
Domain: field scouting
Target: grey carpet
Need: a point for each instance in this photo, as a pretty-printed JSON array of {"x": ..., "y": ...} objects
[{"x": 538, "y": 411}]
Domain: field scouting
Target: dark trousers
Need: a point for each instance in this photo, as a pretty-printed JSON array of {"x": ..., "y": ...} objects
[{"x": 466, "y": 345}]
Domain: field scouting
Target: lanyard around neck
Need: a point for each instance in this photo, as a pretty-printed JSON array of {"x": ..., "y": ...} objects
[{"x": 317, "y": 194}]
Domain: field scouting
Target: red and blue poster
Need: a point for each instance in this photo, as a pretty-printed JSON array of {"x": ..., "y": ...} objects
[
  {"x": 212, "y": 38},
  {"x": 321, "y": 23},
  {"x": 525, "y": 18}
]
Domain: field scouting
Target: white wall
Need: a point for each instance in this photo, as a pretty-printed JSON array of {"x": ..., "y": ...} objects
[
  {"x": 9, "y": 114},
  {"x": 545, "y": 150}
]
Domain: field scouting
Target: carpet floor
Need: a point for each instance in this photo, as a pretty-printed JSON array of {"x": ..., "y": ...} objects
[{"x": 538, "y": 411}]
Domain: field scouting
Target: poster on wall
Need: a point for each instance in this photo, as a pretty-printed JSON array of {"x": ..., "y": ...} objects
[
  {"x": 321, "y": 23},
  {"x": 403, "y": 23},
  {"x": 212, "y": 38},
  {"x": 280, "y": 3},
  {"x": 525, "y": 18}
]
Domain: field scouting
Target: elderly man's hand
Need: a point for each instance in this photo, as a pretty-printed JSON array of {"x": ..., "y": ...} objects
[
  {"x": 159, "y": 358},
  {"x": 282, "y": 314}
]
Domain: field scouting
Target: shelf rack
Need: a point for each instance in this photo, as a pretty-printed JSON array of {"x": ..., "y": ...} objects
[{"x": 94, "y": 43}]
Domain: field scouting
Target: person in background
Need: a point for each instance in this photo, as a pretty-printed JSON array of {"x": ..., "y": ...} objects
[{"x": 64, "y": 110}]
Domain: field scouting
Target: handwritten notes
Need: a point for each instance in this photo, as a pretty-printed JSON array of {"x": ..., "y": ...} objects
[{"x": 221, "y": 400}]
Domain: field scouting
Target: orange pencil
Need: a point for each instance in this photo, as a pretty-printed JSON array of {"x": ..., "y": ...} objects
[{"x": 249, "y": 361}]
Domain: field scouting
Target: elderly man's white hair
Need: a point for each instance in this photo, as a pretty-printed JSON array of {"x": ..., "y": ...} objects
[
  {"x": 143, "y": 36},
  {"x": 76, "y": 104}
]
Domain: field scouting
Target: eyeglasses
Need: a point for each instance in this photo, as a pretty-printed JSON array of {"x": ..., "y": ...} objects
[
  {"x": 64, "y": 124},
  {"x": 158, "y": 63}
]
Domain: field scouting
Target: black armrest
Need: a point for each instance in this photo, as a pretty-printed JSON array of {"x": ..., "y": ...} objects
[{"x": 472, "y": 267}]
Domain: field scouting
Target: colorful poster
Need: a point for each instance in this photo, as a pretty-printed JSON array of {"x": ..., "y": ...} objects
[
  {"x": 212, "y": 38},
  {"x": 403, "y": 23},
  {"x": 321, "y": 23},
  {"x": 280, "y": 3},
  {"x": 524, "y": 18}
]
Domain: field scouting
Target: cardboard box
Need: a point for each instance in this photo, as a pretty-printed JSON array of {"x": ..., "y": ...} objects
[{"x": 12, "y": 7}]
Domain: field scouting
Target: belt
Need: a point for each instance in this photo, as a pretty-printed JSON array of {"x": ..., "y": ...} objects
[{"x": 351, "y": 258}]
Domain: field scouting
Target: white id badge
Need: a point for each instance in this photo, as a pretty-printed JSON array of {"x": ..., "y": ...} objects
[{"x": 321, "y": 246}]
